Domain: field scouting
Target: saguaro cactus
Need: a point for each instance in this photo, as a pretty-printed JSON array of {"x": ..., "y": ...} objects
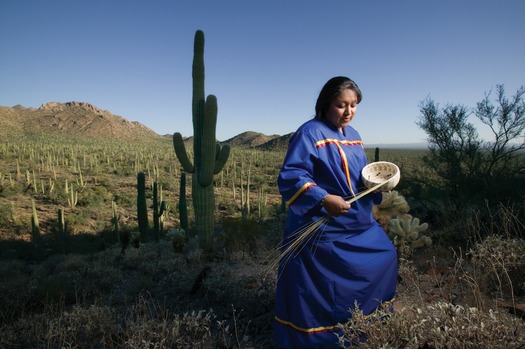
[
  {"x": 61, "y": 230},
  {"x": 142, "y": 208},
  {"x": 209, "y": 157},
  {"x": 160, "y": 209},
  {"x": 115, "y": 219},
  {"x": 35, "y": 226}
]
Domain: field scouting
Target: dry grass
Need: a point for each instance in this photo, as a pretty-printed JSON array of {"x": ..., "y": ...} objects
[
  {"x": 474, "y": 302},
  {"x": 434, "y": 325},
  {"x": 140, "y": 300},
  {"x": 146, "y": 299}
]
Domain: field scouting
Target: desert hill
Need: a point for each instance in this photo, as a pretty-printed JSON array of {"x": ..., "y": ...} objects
[
  {"x": 77, "y": 119},
  {"x": 250, "y": 139},
  {"x": 84, "y": 120},
  {"x": 276, "y": 143}
]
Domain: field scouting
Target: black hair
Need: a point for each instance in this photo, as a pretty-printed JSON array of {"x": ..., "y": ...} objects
[{"x": 331, "y": 90}]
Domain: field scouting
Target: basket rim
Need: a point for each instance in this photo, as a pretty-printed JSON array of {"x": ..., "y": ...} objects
[{"x": 388, "y": 163}]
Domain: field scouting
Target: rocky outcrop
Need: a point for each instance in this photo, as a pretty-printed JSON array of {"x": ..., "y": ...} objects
[{"x": 56, "y": 106}]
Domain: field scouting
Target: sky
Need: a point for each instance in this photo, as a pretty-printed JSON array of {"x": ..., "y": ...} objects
[{"x": 265, "y": 61}]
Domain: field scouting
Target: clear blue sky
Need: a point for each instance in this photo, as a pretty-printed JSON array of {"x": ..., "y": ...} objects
[{"x": 265, "y": 60}]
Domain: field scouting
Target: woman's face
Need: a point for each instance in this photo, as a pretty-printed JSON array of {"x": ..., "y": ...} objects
[{"x": 342, "y": 109}]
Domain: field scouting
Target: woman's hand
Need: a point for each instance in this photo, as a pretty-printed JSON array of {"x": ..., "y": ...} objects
[{"x": 335, "y": 205}]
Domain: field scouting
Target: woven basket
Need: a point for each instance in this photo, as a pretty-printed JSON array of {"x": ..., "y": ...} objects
[{"x": 381, "y": 172}]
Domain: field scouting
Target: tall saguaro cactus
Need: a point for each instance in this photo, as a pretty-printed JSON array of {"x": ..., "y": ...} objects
[
  {"x": 209, "y": 157},
  {"x": 142, "y": 208}
]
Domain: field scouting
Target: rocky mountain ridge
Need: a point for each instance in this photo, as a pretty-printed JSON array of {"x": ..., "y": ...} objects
[
  {"x": 84, "y": 120},
  {"x": 75, "y": 119}
]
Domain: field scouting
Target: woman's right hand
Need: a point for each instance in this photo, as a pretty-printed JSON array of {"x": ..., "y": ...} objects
[{"x": 335, "y": 205}]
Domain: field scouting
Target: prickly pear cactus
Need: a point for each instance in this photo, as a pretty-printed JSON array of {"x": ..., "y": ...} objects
[{"x": 209, "y": 157}]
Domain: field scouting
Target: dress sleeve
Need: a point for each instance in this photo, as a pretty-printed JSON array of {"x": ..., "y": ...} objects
[{"x": 296, "y": 179}]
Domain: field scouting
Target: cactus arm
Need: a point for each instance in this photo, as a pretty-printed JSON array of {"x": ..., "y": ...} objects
[
  {"x": 412, "y": 224},
  {"x": 222, "y": 156},
  {"x": 163, "y": 208},
  {"x": 397, "y": 228},
  {"x": 180, "y": 151},
  {"x": 217, "y": 149}
]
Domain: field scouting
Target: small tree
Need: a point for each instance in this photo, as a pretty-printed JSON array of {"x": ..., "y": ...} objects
[
  {"x": 454, "y": 146},
  {"x": 507, "y": 123},
  {"x": 469, "y": 167}
]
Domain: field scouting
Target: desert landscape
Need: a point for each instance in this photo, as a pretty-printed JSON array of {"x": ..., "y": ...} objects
[{"x": 76, "y": 272}]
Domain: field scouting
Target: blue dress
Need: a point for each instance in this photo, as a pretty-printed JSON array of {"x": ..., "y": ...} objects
[{"x": 346, "y": 260}]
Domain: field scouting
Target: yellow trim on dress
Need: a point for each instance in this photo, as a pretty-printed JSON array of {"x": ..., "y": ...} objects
[
  {"x": 324, "y": 142},
  {"x": 305, "y": 187},
  {"x": 306, "y": 330},
  {"x": 345, "y": 166},
  {"x": 328, "y": 328}
]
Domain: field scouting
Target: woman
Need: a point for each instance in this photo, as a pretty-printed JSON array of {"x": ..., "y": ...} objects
[{"x": 349, "y": 259}]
